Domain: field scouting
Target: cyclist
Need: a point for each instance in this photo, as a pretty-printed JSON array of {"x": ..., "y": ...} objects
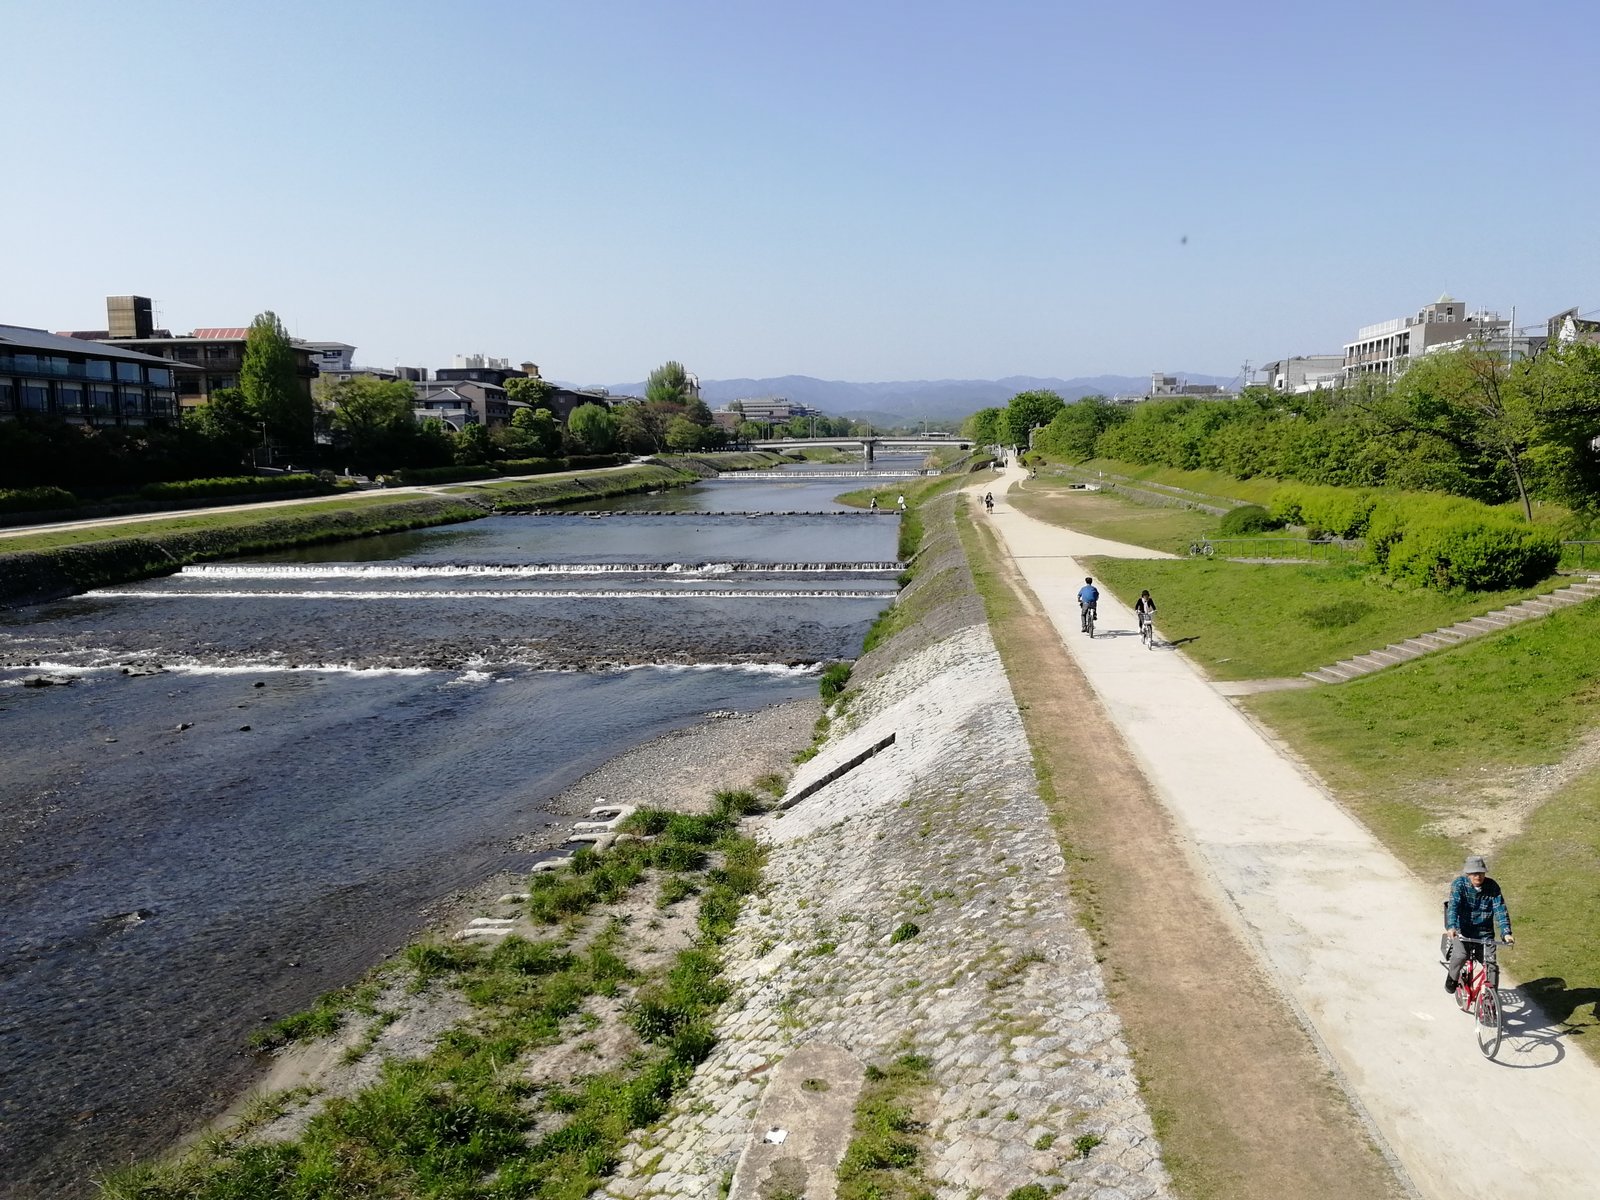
[
  {"x": 1088, "y": 603},
  {"x": 1474, "y": 906},
  {"x": 988, "y": 501},
  {"x": 1145, "y": 609}
]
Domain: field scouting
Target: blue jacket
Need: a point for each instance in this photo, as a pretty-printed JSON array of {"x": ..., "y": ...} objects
[
  {"x": 1088, "y": 594},
  {"x": 1472, "y": 912}
]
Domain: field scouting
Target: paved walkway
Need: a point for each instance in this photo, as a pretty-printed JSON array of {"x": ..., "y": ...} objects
[{"x": 1348, "y": 932}]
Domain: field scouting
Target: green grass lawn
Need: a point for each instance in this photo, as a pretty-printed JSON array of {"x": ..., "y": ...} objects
[
  {"x": 1107, "y": 515},
  {"x": 165, "y": 525},
  {"x": 1256, "y": 621},
  {"x": 1225, "y": 488},
  {"x": 1429, "y": 755}
]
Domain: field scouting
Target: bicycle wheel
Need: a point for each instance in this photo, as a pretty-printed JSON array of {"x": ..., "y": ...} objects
[
  {"x": 1088, "y": 623},
  {"x": 1491, "y": 1021}
]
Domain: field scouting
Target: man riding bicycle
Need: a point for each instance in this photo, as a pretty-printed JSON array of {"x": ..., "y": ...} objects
[
  {"x": 1088, "y": 603},
  {"x": 1475, "y": 904},
  {"x": 988, "y": 501}
]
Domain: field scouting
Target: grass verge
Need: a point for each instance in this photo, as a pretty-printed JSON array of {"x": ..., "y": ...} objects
[
  {"x": 1262, "y": 621},
  {"x": 1244, "y": 1107},
  {"x": 469, "y": 1119},
  {"x": 1486, "y": 745},
  {"x": 1107, "y": 515},
  {"x": 1211, "y": 487},
  {"x": 886, "y": 1141}
]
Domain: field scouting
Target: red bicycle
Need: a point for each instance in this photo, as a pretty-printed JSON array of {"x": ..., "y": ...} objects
[{"x": 1476, "y": 994}]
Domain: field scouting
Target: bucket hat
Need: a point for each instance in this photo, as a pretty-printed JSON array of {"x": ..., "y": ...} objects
[{"x": 1475, "y": 864}]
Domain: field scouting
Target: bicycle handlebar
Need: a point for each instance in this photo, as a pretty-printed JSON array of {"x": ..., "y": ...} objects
[{"x": 1461, "y": 937}]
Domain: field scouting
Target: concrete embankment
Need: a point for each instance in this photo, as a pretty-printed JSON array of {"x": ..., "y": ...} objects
[{"x": 917, "y": 905}]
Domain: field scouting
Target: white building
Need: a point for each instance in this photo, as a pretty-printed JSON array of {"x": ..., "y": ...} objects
[
  {"x": 1303, "y": 373},
  {"x": 1387, "y": 347}
]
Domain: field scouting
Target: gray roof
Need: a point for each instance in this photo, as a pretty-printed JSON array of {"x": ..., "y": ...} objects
[{"x": 21, "y": 337}]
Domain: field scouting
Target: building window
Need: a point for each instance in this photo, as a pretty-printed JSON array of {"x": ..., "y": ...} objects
[
  {"x": 69, "y": 397},
  {"x": 25, "y": 362},
  {"x": 97, "y": 368},
  {"x": 217, "y": 382},
  {"x": 129, "y": 372},
  {"x": 163, "y": 404},
  {"x": 35, "y": 395},
  {"x": 160, "y": 376},
  {"x": 101, "y": 399},
  {"x": 133, "y": 401},
  {"x": 216, "y": 352},
  {"x": 54, "y": 366},
  {"x": 187, "y": 354},
  {"x": 8, "y": 395}
]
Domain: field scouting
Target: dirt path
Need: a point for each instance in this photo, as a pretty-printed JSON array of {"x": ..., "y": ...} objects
[
  {"x": 1346, "y": 933},
  {"x": 1245, "y": 1107}
]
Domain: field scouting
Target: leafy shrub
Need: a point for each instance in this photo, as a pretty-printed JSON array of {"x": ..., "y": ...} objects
[
  {"x": 1474, "y": 554},
  {"x": 35, "y": 499},
  {"x": 1249, "y": 518},
  {"x": 1340, "y": 511},
  {"x": 232, "y": 485},
  {"x": 531, "y": 466},
  {"x": 904, "y": 932}
]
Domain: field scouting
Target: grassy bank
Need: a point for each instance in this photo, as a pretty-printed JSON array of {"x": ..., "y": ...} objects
[
  {"x": 1209, "y": 487},
  {"x": 1487, "y": 746},
  {"x": 520, "y": 1099},
  {"x": 1108, "y": 515},
  {"x": 1261, "y": 621}
]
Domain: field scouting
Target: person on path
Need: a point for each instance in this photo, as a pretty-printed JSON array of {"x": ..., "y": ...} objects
[
  {"x": 1145, "y": 609},
  {"x": 988, "y": 501},
  {"x": 902, "y": 503},
  {"x": 1474, "y": 907},
  {"x": 1088, "y": 603},
  {"x": 874, "y": 504}
]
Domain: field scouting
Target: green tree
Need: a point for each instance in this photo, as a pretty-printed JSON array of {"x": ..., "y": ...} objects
[
  {"x": 537, "y": 433},
  {"x": 227, "y": 422},
  {"x": 472, "y": 445},
  {"x": 669, "y": 384},
  {"x": 593, "y": 429},
  {"x": 1073, "y": 432},
  {"x": 749, "y": 431},
  {"x": 526, "y": 390},
  {"x": 1027, "y": 411},
  {"x": 1563, "y": 387},
  {"x": 271, "y": 383},
  {"x": 986, "y": 427},
  {"x": 375, "y": 418},
  {"x": 683, "y": 435},
  {"x": 1474, "y": 400}
]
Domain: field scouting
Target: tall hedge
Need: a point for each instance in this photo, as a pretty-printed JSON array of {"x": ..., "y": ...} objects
[{"x": 1475, "y": 554}]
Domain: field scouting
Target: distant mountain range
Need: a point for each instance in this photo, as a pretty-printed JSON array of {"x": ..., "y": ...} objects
[{"x": 911, "y": 400}]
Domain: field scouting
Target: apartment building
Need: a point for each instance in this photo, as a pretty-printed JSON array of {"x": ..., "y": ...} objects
[
  {"x": 1388, "y": 346},
  {"x": 50, "y": 375},
  {"x": 1303, "y": 373}
]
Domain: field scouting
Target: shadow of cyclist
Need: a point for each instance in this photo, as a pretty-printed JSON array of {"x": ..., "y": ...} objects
[{"x": 1559, "y": 1002}]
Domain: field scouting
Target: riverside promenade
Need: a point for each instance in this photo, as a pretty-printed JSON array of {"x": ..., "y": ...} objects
[{"x": 1343, "y": 928}]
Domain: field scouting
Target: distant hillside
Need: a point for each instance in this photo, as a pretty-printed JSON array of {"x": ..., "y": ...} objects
[{"x": 910, "y": 400}]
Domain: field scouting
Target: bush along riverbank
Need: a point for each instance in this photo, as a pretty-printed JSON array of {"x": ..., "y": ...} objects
[{"x": 47, "y": 566}]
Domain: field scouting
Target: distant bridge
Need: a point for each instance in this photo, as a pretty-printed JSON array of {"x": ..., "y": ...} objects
[{"x": 869, "y": 445}]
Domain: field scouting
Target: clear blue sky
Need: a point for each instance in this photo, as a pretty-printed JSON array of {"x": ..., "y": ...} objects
[{"x": 862, "y": 190}]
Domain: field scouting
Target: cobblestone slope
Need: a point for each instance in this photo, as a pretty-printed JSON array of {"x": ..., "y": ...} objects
[{"x": 998, "y": 986}]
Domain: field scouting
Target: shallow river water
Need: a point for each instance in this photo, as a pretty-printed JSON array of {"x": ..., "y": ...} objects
[{"x": 330, "y": 741}]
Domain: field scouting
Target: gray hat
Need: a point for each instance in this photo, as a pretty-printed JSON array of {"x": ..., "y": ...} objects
[{"x": 1475, "y": 864}]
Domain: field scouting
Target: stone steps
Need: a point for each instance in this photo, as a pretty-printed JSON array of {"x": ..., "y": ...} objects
[{"x": 1450, "y": 635}]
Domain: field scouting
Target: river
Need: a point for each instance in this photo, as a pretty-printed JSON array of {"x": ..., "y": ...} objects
[{"x": 263, "y": 772}]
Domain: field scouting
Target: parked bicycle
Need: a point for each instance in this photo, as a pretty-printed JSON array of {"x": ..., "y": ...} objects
[
  {"x": 1477, "y": 992},
  {"x": 1201, "y": 549}
]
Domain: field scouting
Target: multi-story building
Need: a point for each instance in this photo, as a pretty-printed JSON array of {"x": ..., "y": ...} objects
[
  {"x": 1567, "y": 327},
  {"x": 1304, "y": 373},
  {"x": 87, "y": 383},
  {"x": 216, "y": 352},
  {"x": 1388, "y": 347},
  {"x": 1162, "y": 386},
  {"x": 331, "y": 358},
  {"x": 462, "y": 402}
]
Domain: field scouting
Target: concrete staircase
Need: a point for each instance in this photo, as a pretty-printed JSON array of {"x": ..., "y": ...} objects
[{"x": 1390, "y": 656}]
